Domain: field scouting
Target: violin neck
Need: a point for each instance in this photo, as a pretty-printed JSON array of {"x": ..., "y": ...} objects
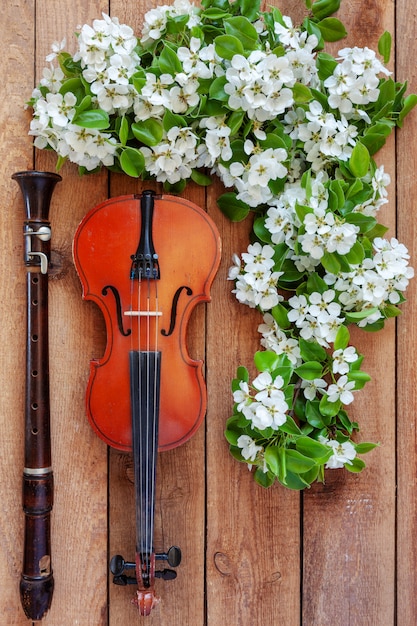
[{"x": 145, "y": 372}]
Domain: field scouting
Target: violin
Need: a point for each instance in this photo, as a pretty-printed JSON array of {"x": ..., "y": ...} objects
[{"x": 146, "y": 260}]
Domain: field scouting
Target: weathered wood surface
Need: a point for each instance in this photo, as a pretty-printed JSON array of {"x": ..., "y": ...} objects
[{"x": 344, "y": 553}]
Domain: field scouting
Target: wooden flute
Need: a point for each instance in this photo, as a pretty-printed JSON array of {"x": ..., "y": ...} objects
[{"x": 37, "y": 583}]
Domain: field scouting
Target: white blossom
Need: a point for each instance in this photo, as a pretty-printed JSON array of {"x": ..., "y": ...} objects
[
  {"x": 343, "y": 452},
  {"x": 249, "y": 448},
  {"x": 341, "y": 390}
]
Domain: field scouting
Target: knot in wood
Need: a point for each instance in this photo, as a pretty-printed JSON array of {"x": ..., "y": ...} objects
[{"x": 222, "y": 563}]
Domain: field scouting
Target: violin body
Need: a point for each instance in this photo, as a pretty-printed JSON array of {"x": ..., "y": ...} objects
[
  {"x": 146, "y": 261},
  {"x": 188, "y": 247}
]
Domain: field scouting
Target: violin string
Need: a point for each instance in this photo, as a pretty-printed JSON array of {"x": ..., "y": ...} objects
[
  {"x": 148, "y": 397},
  {"x": 156, "y": 405},
  {"x": 147, "y": 376},
  {"x": 140, "y": 425}
]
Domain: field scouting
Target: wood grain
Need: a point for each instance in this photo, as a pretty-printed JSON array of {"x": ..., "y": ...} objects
[
  {"x": 406, "y": 333},
  {"x": 17, "y": 53},
  {"x": 79, "y": 458},
  {"x": 343, "y": 553},
  {"x": 349, "y": 523}
]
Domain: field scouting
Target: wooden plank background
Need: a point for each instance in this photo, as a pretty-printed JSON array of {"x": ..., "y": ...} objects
[{"x": 342, "y": 554}]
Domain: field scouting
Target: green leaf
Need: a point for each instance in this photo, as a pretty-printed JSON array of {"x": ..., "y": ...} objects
[
  {"x": 242, "y": 373},
  {"x": 314, "y": 449},
  {"x": 375, "y": 326},
  {"x": 311, "y": 350},
  {"x": 148, "y": 132},
  {"x": 235, "y": 121},
  {"x": 217, "y": 91},
  {"x": 176, "y": 24},
  {"x": 373, "y": 142},
  {"x": 296, "y": 481},
  {"x": 75, "y": 86},
  {"x": 94, "y": 118},
  {"x": 378, "y": 230},
  {"x": 309, "y": 370},
  {"x": 342, "y": 338},
  {"x": 236, "y": 210},
  {"x": 356, "y": 254},
  {"x": 316, "y": 283},
  {"x": 297, "y": 462},
  {"x": 201, "y": 179},
  {"x": 227, "y": 46},
  {"x": 331, "y": 263},
  {"x": 326, "y": 64},
  {"x": 336, "y": 188},
  {"x": 280, "y": 315},
  {"x": 324, "y": 8},
  {"x": 384, "y": 46},
  {"x": 365, "y": 222},
  {"x": 409, "y": 103},
  {"x": 60, "y": 162},
  {"x": 359, "y": 160},
  {"x": 238, "y": 150},
  {"x": 84, "y": 104},
  {"x": 360, "y": 379},
  {"x": 215, "y": 13},
  {"x": 241, "y": 28},
  {"x": 264, "y": 479},
  {"x": 250, "y": 9},
  {"x": 390, "y": 310},
  {"x": 356, "y": 316},
  {"x": 386, "y": 95},
  {"x": 332, "y": 29},
  {"x": 171, "y": 119},
  {"x": 281, "y": 251},
  {"x": 175, "y": 188},
  {"x": 274, "y": 458},
  {"x": 169, "y": 63},
  {"x": 132, "y": 162},
  {"x": 311, "y": 26},
  {"x": 364, "y": 447},
  {"x": 266, "y": 360},
  {"x": 301, "y": 94},
  {"x": 290, "y": 427},
  {"x": 329, "y": 409},
  {"x": 384, "y": 127},
  {"x": 261, "y": 231},
  {"x": 302, "y": 211},
  {"x": 139, "y": 80},
  {"x": 313, "y": 415},
  {"x": 355, "y": 466},
  {"x": 124, "y": 131},
  {"x": 67, "y": 64},
  {"x": 354, "y": 188},
  {"x": 345, "y": 421},
  {"x": 274, "y": 141},
  {"x": 236, "y": 453},
  {"x": 232, "y": 436}
]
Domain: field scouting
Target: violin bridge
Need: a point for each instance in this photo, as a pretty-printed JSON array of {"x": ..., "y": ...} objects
[{"x": 143, "y": 313}]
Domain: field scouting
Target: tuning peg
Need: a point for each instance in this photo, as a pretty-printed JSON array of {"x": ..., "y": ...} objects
[
  {"x": 118, "y": 565},
  {"x": 173, "y": 556},
  {"x": 166, "y": 574},
  {"x": 124, "y": 580}
]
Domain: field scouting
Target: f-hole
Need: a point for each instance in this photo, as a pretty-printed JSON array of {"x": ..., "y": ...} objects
[
  {"x": 115, "y": 292},
  {"x": 174, "y": 309}
]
